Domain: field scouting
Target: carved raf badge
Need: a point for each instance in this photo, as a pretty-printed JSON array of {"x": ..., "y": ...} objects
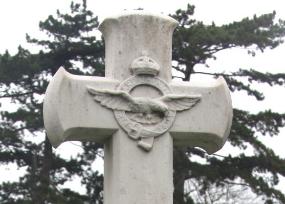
[{"x": 144, "y": 118}]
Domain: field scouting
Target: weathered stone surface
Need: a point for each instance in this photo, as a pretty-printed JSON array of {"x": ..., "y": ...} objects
[
  {"x": 207, "y": 125},
  {"x": 133, "y": 34},
  {"x": 70, "y": 113},
  {"x": 136, "y": 111}
]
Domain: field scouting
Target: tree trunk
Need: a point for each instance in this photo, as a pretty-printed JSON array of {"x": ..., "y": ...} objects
[
  {"x": 180, "y": 172},
  {"x": 43, "y": 181}
]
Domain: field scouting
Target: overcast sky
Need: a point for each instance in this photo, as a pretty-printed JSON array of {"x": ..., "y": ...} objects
[{"x": 20, "y": 17}]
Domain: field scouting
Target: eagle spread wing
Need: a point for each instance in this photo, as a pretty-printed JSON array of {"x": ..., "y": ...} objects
[
  {"x": 180, "y": 102},
  {"x": 116, "y": 100}
]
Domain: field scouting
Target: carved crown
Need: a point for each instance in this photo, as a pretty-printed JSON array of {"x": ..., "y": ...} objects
[{"x": 145, "y": 65}]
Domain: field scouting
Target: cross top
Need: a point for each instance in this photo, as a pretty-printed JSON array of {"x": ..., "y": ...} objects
[
  {"x": 137, "y": 103},
  {"x": 131, "y": 35}
]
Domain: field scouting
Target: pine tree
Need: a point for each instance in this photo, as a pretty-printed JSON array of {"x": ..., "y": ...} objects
[
  {"x": 194, "y": 43},
  {"x": 23, "y": 79},
  {"x": 71, "y": 44}
]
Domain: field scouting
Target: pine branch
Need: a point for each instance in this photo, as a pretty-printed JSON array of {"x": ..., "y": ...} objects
[
  {"x": 16, "y": 95},
  {"x": 218, "y": 74},
  {"x": 235, "y": 183}
]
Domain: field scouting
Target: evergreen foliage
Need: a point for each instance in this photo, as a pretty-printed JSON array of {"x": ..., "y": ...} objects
[{"x": 71, "y": 43}]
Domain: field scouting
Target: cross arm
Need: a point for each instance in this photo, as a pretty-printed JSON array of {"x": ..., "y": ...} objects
[
  {"x": 207, "y": 125},
  {"x": 70, "y": 113}
]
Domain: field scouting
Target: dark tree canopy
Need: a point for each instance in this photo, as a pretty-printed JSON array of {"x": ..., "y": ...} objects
[{"x": 71, "y": 44}]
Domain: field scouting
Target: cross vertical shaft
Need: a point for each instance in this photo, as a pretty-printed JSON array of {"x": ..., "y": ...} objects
[{"x": 132, "y": 175}]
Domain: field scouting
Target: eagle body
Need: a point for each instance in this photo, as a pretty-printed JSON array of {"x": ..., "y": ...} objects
[
  {"x": 148, "y": 106},
  {"x": 123, "y": 101}
]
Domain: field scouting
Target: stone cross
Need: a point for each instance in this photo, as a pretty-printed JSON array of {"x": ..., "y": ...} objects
[{"x": 137, "y": 111}]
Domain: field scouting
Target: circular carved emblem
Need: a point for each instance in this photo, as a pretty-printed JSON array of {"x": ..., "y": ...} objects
[{"x": 136, "y": 129}]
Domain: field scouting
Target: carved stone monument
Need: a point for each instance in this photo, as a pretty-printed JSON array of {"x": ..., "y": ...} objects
[{"x": 137, "y": 111}]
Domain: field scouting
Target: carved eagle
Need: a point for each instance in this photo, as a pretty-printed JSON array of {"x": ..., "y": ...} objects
[{"x": 120, "y": 100}]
